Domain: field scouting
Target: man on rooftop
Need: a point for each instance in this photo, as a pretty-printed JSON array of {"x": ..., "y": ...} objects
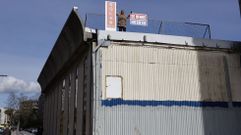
[{"x": 121, "y": 24}]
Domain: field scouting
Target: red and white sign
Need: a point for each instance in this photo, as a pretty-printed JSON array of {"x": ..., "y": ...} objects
[
  {"x": 138, "y": 19},
  {"x": 110, "y": 15}
]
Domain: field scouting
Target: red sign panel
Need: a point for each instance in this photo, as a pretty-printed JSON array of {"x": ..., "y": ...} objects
[
  {"x": 138, "y": 19},
  {"x": 110, "y": 15}
]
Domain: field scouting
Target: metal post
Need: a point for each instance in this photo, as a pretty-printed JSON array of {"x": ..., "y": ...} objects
[
  {"x": 209, "y": 29},
  {"x": 86, "y": 17},
  {"x": 160, "y": 28},
  {"x": 204, "y": 35}
]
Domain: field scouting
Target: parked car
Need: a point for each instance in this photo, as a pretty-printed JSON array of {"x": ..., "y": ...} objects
[
  {"x": 32, "y": 130},
  {"x": 1, "y": 130}
]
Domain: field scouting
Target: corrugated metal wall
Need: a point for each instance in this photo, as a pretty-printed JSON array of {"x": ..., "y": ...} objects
[
  {"x": 67, "y": 108},
  {"x": 234, "y": 64},
  {"x": 135, "y": 120},
  {"x": 162, "y": 74},
  {"x": 167, "y": 91}
]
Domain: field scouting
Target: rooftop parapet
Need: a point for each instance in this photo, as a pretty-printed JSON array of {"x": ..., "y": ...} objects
[{"x": 189, "y": 29}]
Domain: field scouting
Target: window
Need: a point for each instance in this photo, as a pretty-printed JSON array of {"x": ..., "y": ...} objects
[{"x": 113, "y": 87}]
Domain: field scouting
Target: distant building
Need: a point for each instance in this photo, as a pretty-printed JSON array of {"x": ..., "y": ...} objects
[
  {"x": 98, "y": 82},
  {"x": 3, "y": 116}
]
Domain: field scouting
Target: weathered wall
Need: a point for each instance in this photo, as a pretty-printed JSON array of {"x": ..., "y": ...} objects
[
  {"x": 234, "y": 65},
  {"x": 168, "y": 91},
  {"x": 66, "y": 82},
  {"x": 68, "y": 105},
  {"x": 152, "y": 73},
  {"x": 161, "y": 120}
]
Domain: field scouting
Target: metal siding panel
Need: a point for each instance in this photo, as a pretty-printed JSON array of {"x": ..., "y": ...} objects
[
  {"x": 89, "y": 101},
  {"x": 55, "y": 110},
  {"x": 165, "y": 74},
  {"x": 59, "y": 110},
  {"x": 66, "y": 107},
  {"x": 51, "y": 129},
  {"x": 72, "y": 102},
  {"x": 48, "y": 115},
  {"x": 97, "y": 92},
  {"x": 121, "y": 120},
  {"x": 80, "y": 98},
  {"x": 234, "y": 66},
  {"x": 45, "y": 116},
  {"x": 146, "y": 75},
  {"x": 52, "y": 111}
]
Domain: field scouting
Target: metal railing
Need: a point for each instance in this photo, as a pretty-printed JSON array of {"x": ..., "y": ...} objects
[{"x": 196, "y": 30}]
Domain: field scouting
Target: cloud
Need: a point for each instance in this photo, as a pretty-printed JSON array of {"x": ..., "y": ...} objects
[{"x": 12, "y": 84}]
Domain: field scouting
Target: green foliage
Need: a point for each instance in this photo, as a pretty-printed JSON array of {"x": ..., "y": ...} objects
[
  {"x": 21, "y": 109},
  {"x": 29, "y": 115}
]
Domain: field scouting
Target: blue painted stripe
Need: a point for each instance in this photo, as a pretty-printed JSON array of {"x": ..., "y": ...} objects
[
  {"x": 237, "y": 104},
  {"x": 116, "y": 102}
]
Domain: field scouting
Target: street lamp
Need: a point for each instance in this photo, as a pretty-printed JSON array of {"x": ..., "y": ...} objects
[{"x": 3, "y": 75}]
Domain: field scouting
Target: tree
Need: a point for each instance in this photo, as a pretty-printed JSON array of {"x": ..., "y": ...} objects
[
  {"x": 12, "y": 102},
  {"x": 12, "y": 106},
  {"x": 9, "y": 112},
  {"x": 23, "y": 110},
  {"x": 29, "y": 116}
]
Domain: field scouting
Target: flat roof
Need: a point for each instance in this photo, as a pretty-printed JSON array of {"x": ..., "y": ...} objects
[{"x": 164, "y": 39}]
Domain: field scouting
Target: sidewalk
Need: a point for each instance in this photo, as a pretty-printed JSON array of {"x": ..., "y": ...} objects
[{"x": 21, "y": 133}]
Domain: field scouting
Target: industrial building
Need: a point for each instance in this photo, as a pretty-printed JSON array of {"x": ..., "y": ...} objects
[{"x": 98, "y": 82}]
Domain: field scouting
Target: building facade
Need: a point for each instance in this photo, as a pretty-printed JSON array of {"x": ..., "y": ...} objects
[
  {"x": 99, "y": 82},
  {"x": 3, "y": 116}
]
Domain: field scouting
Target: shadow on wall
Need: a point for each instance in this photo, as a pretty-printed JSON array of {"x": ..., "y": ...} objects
[{"x": 215, "y": 83}]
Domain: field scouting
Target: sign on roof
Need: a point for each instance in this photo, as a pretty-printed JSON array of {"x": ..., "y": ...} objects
[
  {"x": 138, "y": 19},
  {"x": 110, "y": 15}
]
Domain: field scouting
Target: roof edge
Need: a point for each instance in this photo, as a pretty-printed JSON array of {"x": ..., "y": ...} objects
[
  {"x": 70, "y": 38},
  {"x": 166, "y": 39}
]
